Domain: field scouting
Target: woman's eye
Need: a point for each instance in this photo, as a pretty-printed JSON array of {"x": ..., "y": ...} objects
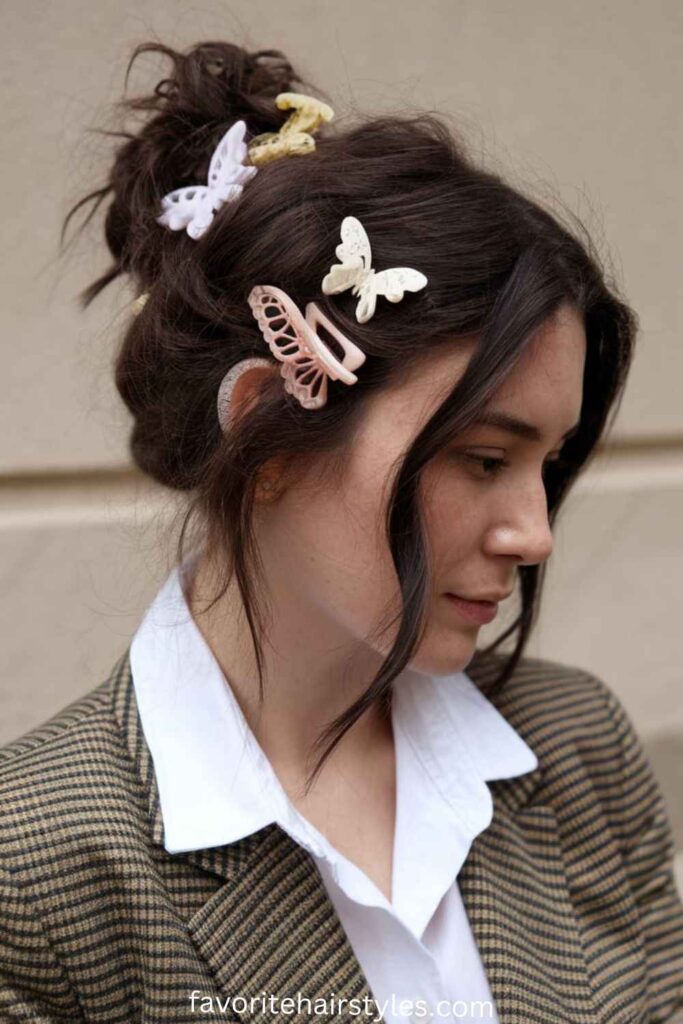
[{"x": 491, "y": 466}]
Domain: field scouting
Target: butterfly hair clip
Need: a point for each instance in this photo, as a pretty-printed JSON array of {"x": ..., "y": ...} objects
[
  {"x": 295, "y": 136},
  {"x": 308, "y": 362},
  {"x": 293, "y": 338},
  {"x": 355, "y": 272},
  {"x": 235, "y": 162},
  {"x": 194, "y": 206}
]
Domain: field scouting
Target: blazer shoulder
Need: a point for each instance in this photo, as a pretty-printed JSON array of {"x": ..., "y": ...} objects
[
  {"x": 40, "y": 741},
  {"x": 75, "y": 761},
  {"x": 566, "y": 713},
  {"x": 578, "y": 727},
  {"x": 88, "y": 714},
  {"x": 546, "y": 694}
]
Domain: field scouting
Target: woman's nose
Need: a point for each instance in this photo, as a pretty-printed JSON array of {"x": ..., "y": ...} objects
[{"x": 522, "y": 529}]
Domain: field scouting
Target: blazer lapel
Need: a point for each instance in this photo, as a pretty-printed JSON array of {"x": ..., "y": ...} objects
[{"x": 271, "y": 930}]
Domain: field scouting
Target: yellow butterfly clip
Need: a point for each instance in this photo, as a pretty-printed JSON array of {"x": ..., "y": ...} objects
[{"x": 295, "y": 136}]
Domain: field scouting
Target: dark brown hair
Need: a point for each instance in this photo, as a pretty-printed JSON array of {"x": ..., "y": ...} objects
[{"x": 498, "y": 266}]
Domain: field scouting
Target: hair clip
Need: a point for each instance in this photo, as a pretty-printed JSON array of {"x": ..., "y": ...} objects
[
  {"x": 137, "y": 304},
  {"x": 293, "y": 339},
  {"x": 193, "y": 207},
  {"x": 355, "y": 272},
  {"x": 294, "y": 138},
  {"x": 227, "y": 386},
  {"x": 234, "y": 163}
]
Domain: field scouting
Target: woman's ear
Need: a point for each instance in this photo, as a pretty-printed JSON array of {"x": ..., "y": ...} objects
[{"x": 270, "y": 485}]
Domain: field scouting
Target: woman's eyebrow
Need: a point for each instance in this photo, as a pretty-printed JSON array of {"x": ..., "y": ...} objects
[{"x": 513, "y": 425}]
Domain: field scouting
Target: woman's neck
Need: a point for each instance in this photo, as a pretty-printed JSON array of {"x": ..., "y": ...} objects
[{"x": 309, "y": 676}]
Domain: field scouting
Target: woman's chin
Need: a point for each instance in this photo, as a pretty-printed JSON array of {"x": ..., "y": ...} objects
[{"x": 446, "y": 658}]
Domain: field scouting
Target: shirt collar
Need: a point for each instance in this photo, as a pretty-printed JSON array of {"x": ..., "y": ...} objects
[{"x": 215, "y": 783}]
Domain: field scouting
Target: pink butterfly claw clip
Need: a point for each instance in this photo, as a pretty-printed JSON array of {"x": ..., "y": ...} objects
[{"x": 307, "y": 362}]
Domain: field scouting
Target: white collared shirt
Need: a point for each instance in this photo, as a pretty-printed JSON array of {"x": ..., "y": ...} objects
[{"x": 216, "y": 786}]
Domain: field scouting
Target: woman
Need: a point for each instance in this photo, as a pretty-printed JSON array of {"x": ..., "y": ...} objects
[{"x": 376, "y": 369}]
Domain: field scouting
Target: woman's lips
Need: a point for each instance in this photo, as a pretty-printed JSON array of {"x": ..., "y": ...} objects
[{"x": 478, "y": 612}]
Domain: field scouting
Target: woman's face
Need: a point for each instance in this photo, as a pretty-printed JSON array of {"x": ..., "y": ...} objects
[{"x": 485, "y": 509}]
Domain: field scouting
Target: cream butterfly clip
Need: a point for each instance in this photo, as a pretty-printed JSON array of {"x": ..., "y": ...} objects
[
  {"x": 308, "y": 361},
  {"x": 355, "y": 272}
]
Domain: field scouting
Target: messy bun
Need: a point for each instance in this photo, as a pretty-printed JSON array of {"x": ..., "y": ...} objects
[
  {"x": 498, "y": 265},
  {"x": 209, "y": 86}
]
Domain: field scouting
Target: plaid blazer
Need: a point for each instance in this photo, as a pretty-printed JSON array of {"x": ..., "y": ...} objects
[{"x": 569, "y": 891}]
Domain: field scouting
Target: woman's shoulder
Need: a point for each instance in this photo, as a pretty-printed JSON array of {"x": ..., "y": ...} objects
[
  {"x": 55, "y": 777},
  {"x": 544, "y": 695},
  {"x": 77, "y": 874},
  {"x": 56, "y": 732},
  {"x": 592, "y": 760},
  {"x": 576, "y": 724},
  {"x": 88, "y": 714}
]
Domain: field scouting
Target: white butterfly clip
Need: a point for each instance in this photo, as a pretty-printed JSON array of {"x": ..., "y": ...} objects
[
  {"x": 355, "y": 272},
  {"x": 193, "y": 207}
]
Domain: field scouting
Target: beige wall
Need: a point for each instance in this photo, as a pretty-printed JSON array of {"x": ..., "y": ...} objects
[{"x": 574, "y": 97}]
